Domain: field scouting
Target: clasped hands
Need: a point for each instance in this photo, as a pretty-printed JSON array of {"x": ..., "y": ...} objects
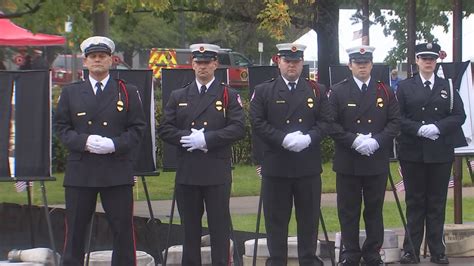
[
  {"x": 365, "y": 144},
  {"x": 194, "y": 141},
  {"x": 428, "y": 131},
  {"x": 296, "y": 141},
  {"x": 99, "y": 145}
]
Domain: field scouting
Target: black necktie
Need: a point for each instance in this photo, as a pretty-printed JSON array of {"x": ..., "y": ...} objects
[
  {"x": 364, "y": 88},
  {"x": 203, "y": 90},
  {"x": 292, "y": 86},
  {"x": 427, "y": 85},
  {"x": 98, "y": 91}
]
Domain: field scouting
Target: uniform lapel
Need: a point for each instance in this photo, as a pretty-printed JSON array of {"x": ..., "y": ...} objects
[
  {"x": 283, "y": 91},
  {"x": 205, "y": 100},
  {"x": 422, "y": 91},
  {"x": 108, "y": 95},
  {"x": 296, "y": 97},
  {"x": 367, "y": 99},
  {"x": 437, "y": 88},
  {"x": 88, "y": 96}
]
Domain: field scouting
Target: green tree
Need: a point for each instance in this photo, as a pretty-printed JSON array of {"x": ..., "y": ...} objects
[{"x": 429, "y": 13}]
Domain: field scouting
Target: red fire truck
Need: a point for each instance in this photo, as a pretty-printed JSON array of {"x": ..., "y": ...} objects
[{"x": 181, "y": 58}]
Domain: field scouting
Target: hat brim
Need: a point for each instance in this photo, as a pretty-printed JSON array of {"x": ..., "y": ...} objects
[
  {"x": 361, "y": 60},
  {"x": 291, "y": 58},
  {"x": 97, "y": 49},
  {"x": 428, "y": 55},
  {"x": 204, "y": 59}
]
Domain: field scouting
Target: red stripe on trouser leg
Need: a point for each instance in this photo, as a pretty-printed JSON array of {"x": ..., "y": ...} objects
[{"x": 134, "y": 240}]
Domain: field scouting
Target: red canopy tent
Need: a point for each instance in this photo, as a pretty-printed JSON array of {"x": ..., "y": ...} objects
[{"x": 13, "y": 35}]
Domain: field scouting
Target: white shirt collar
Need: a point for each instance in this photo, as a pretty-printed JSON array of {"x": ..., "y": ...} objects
[
  {"x": 360, "y": 82},
  {"x": 94, "y": 82},
  {"x": 199, "y": 85},
  {"x": 287, "y": 82},
  {"x": 432, "y": 79}
]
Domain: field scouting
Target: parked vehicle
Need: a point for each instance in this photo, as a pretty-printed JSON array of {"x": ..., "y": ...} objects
[
  {"x": 181, "y": 58},
  {"x": 62, "y": 66}
]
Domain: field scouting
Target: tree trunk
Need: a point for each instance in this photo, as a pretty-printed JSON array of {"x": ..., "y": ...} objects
[
  {"x": 128, "y": 56},
  {"x": 100, "y": 17},
  {"x": 457, "y": 30},
  {"x": 411, "y": 32},
  {"x": 365, "y": 23},
  {"x": 326, "y": 25}
]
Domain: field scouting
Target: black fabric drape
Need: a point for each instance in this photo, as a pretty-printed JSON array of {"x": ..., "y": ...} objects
[
  {"x": 33, "y": 124},
  {"x": 6, "y": 88}
]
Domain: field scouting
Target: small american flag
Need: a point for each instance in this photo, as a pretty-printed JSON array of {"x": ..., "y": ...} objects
[
  {"x": 259, "y": 170},
  {"x": 400, "y": 186},
  {"x": 20, "y": 186}
]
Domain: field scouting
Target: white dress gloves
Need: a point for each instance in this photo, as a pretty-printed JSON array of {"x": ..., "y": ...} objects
[
  {"x": 194, "y": 141},
  {"x": 99, "y": 145},
  {"x": 296, "y": 141},
  {"x": 428, "y": 131},
  {"x": 365, "y": 144}
]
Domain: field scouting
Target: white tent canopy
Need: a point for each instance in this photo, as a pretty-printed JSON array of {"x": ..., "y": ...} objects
[{"x": 383, "y": 43}]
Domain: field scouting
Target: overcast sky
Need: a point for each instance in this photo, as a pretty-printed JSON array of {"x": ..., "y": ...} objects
[{"x": 384, "y": 44}]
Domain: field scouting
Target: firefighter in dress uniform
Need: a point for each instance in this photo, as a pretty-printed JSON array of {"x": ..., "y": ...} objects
[
  {"x": 366, "y": 121},
  {"x": 100, "y": 121},
  {"x": 432, "y": 114},
  {"x": 203, "y": 120},
  {"x": 291, "y": 115}
]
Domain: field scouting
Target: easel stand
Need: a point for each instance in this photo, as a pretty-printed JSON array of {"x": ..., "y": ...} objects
[
  {"x": 257, "y": 229},
  {"x": 152, "y": 220},
  {"x": 173, "y": 204},
  {"x": 45, "y": 204}
]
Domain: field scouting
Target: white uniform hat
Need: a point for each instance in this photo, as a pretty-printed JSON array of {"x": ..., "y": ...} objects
[
  {"x": 360, "y": 54},
  {"x": 204, "y": 51},
  {"x": 291, "y": 51},
  {"x": 97, "y": 44}
]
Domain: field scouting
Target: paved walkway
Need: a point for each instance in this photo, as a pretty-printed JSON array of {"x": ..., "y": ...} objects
[{"x": 249, "y": 205}]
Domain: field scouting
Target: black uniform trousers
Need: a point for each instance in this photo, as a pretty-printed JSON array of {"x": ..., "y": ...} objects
[
  {"x": 117, "y": 202},
  {"x": 191, "y": 201},
  {"x": 426, "y": 186},
  {"x": 351, "y": 190},
  {"x": 278, "y": 195}
]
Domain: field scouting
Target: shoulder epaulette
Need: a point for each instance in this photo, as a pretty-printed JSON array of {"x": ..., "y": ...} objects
[
  {"x": 78, "y": 82},
  {"x": 121, "y": 80},
  {"x": 315, "y": 86},
  {"x": 269, "y": 80},
  {"x": 340, "y": 82},
  {"x": 381, "y": 87},
  {"x": 187, "y": 84}
]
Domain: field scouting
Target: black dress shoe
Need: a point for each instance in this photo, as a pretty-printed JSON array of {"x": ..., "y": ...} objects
[
  {"x": 347, "y": 262},
  {"x": 378, "y": 262},
  {"x": 408, "y": 258},
  {"x": 439, "y": 259}
]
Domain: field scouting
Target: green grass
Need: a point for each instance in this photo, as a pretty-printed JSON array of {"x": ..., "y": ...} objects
[
  {"x": 390, "y": 214},
  {"x": 246, "y": 183}
]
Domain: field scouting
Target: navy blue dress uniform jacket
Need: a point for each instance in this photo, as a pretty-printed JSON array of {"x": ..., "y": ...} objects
[
  {"x": 187, "y": 109},
  {"x": 79, "y": 115},
  {"x": 276, "y": 111},
  {"x": 418, "y": 107},
  {"x": 375, "y": 112}
]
